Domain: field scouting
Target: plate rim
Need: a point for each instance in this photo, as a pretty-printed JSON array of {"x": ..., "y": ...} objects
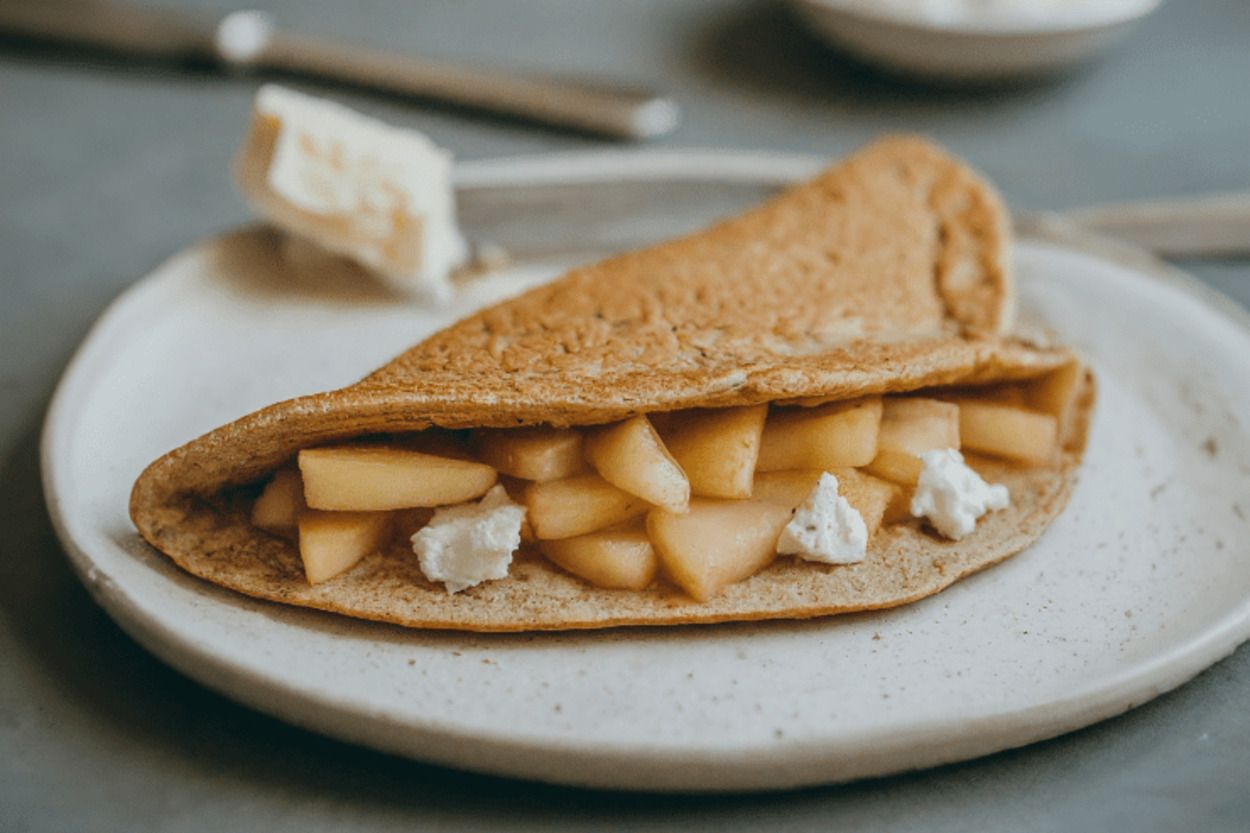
[{"x": 806, "y": 762}]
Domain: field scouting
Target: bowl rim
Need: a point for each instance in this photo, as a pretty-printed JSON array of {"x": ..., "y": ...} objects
[{"x": 1084, "y": 17}]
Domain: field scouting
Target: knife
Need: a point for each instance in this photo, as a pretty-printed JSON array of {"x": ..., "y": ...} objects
[
  {"x": 1214, "y": 225},
  {"x": 250, "y": 41}
]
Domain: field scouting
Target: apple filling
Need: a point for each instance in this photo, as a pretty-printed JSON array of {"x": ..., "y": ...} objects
[{"x": 699, "y": 498}]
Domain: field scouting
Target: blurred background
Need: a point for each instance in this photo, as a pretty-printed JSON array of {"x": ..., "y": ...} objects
[
  {"x": 133, "y": 155},
  {"x": 109, "y": 164}
]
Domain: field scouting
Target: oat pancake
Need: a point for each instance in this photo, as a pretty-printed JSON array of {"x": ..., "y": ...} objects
[{"x": 887, "y": 273}]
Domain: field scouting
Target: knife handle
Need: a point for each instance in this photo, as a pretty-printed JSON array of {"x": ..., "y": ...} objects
[
  {"x": 611, "y": 109},
  {"x": 248, "y": 40},
  {"x": 117, "y": 28},
  {"x": 1217, "y": 225}
]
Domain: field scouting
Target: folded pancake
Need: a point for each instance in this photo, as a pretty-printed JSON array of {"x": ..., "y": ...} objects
[{"x": 887, "y": 273}]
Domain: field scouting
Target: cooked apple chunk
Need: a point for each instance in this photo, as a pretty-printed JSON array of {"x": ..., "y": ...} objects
[
  {"x": 1056, "y": 392},
  {"x": 620, "y": 558},
  {"x": 826, "y": 437},
  {"x": 918, "y": 424},
  {"x": 331, "y": 543},
  {"x": 531, "y": 453},
  {"x": 717, "y": 448},
  {"x": 374, "y": 478},
  {"x": 870, "y": 496},
  {"x": 631, "y": 456},
  {"x": 410, "y": 521},
  {"x": 789, "y": 488},
  {"x": 1007, "y": 431},
  {"x": 717, "y": 542},
  {"x": 896, "y": 466},
  {"x": 277, "y": 508},
  {"x": 912, "y": 426},
  {"x": 577, "y": 505},
  {"x": 898, "y": 510}
]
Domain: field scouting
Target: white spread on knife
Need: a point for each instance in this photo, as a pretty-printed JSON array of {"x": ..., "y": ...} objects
[
  {"x": 377, "y": 194},
  {"x": 953, "y": 496},
  {"x": 465, "y": 545},
  {"x": 825, "y": 528}
]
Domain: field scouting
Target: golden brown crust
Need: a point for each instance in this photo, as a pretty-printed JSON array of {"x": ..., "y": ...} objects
[
  {"x": 884, "y": 274},
  {"x": 898, "y": 243}
]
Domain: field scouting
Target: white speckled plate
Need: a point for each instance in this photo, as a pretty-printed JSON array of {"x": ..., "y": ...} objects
[{"x": 1141, "y": 584}]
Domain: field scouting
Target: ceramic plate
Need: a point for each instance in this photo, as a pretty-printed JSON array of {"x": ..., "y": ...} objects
[{"x": 1137, "y": 587}]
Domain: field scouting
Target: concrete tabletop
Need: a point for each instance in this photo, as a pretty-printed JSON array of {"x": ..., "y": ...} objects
[{"x": 106, "y": 168}]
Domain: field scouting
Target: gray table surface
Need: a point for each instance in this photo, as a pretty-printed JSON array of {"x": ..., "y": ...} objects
[{"x": 106, "y": 169}]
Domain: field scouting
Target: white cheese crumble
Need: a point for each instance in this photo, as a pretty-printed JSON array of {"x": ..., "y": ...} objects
[
  {"x": 463, "y": 546},
  {"x": 358, "y": 187},
  {"x": 825, "y": 528},
  {"x": 953, "y": 496}
]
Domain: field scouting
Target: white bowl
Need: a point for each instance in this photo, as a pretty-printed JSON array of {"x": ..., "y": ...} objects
[{"x": 970, "y": 47}]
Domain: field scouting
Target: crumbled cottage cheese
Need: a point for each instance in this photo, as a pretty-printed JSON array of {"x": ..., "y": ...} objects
[
  {"x": 953, "y": 496},
  {"x": 463, "y": 546},
  {"x": 826, "y": 528}
]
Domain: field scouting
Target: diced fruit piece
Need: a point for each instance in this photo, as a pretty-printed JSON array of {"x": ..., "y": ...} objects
[
  {"x": 331, "y": 543},
  {"x": 631, "y": 456},
  {"x": 898, "y": 510},
  {"x": 373, "y": 478},
  {"x": 717, "y": 448},
  {"x": 915, "y": 425},
  {"x": 869, "y": 495},
  {"x": 825, "y": 437},
  {"x": 532, "y": 453},
  {"x": 788, "y": 488},
  {"x": 896, "y": 466},
  {"x": 716, "y": 543},
  {"x": 577, "y": 505},
  {"x": 1056, "y": 392},
  {"x": 527, "y": 531},
  {"x": 1007, "y": 431},
  {"x": 278, "y": 507},
  {"x": 515, "y": 489},
  {"x": 409, "y": 521},
  {"x": 621, "y": 557},
  {"x": 910, "y": 426}
]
